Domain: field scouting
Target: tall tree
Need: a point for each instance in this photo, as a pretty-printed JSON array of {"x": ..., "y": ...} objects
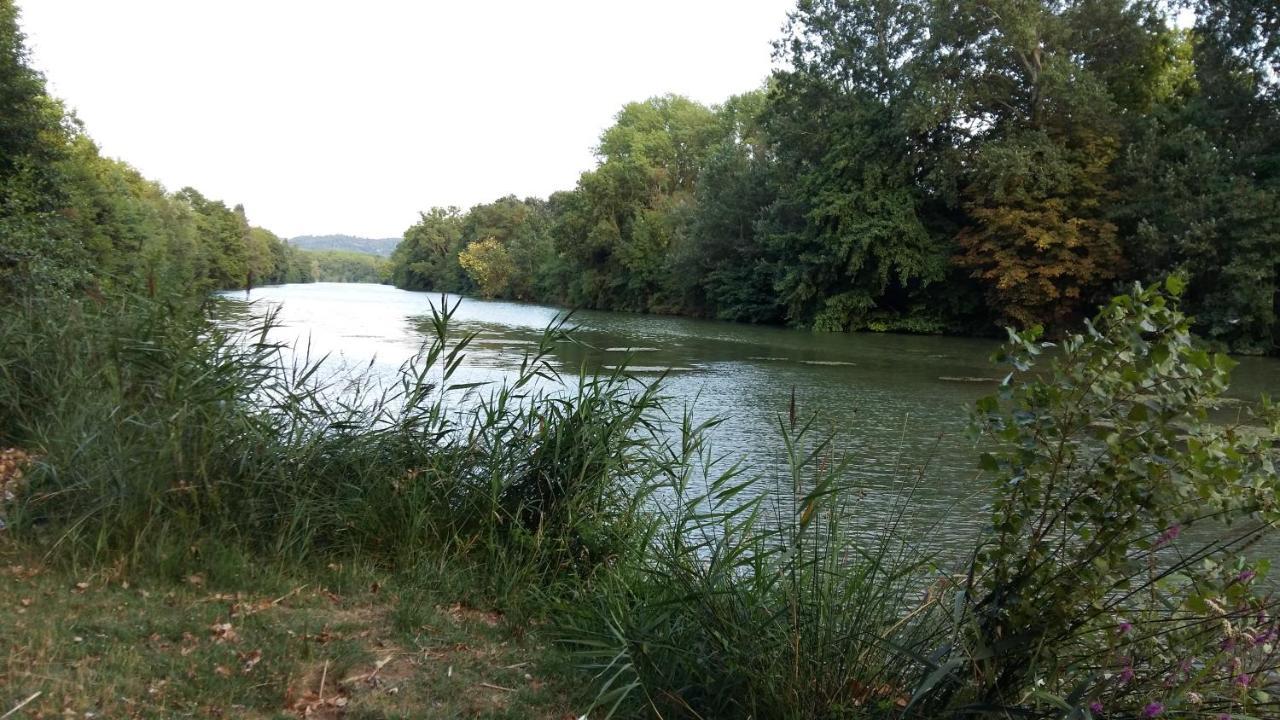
[
  {"x": 725, "y": 268},
  {"x": 1037, "y": 94},
  {"x": 848, "y": 223},
  {"x": 619, "y": 227},
  {"x": 1201, "y": 179},
  {"x": 520, "y": 227}
]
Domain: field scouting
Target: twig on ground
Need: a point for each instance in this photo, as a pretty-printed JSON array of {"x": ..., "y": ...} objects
[{"x": 22, "y": 704}]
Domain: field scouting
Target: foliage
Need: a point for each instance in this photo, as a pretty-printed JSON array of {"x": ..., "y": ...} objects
[
  {"x": 727, "y": 264},
  {"x": 1038, "y": 241},
  {"x": 1203, "y": 176},
  {"x": 856, "y": 240},
  {"x": 33, "y": 148},
  {"x": 343, "y": 266},
  {"x": 489, "y": 266},
  {"x": 1085, "y": 591},
  {"x": 427, "y": 258},
  {"x": 70, "y": 218},
  {"x": 934, "y": 167},
  {"x": 519, "y": 228}
]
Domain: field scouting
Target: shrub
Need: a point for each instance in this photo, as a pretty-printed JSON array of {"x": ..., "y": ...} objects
[{"x": 1124, "y": 497}]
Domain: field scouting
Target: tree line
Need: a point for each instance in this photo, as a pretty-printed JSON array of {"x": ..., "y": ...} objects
[
  {"x": 71, "y": 218},
  {"x": 923, "y": 166}
]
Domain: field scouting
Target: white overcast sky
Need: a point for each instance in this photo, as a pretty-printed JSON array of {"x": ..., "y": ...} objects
[{"x": 327, "y": 116}]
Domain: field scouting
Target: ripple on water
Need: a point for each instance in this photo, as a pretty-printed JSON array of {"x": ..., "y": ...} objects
[{"x": 646, "y": 368}]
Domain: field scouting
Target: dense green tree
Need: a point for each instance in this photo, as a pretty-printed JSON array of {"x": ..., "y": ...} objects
[
  {"x": 926, "y": 166},
  {"x": 1202, "y": 177},
  {"x": 35, "y": 249},
  {"x": 520, "y": 227},
  {"x": 849, "y": 164},
  {"x": 724, "y": 268},
  {"x": 427, "y": 258},
  {"x": 71, "y": 217},
  {"x": 1036, "y": 95},
  {"x": 628, "y": 213}
]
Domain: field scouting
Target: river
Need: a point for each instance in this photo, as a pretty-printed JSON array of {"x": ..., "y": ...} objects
[{"x": 897, "y": 404}]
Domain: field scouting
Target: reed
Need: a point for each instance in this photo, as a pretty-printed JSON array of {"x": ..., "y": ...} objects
[{"x": 163, "y": 436}]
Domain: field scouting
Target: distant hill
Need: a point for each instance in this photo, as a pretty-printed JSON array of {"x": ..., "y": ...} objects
[{"x": 381, "y": 247}]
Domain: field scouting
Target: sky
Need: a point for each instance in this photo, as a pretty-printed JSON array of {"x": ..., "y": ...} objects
[{"x": 328, "y": 116}]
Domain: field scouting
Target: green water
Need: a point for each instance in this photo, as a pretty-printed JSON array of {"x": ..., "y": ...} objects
[{"x": 897, "y": 405}]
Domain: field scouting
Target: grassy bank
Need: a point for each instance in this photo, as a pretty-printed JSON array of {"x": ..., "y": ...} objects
[
  {"x": 343, "y": 642},
  {"x": 606, "y": 558}
]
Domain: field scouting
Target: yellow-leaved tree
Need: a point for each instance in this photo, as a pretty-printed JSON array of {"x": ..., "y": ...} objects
[{"x": 489, "y": 265}]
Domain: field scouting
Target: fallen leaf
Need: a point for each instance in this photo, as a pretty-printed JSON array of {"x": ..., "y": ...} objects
[
  {"x": 248, "y": 660},
  {"x": 223, "y": 632}
]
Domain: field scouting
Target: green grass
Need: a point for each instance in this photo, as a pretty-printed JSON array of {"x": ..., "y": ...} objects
[{"x": 107, "y": 643}]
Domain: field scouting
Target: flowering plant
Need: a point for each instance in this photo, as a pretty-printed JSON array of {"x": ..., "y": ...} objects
[{"x": 1128, "y": 495}]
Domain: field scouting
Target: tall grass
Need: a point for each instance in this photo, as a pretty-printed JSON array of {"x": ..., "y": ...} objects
[
  {"x": 756, "y": 604},
  {"x": 163, "y": 435}
]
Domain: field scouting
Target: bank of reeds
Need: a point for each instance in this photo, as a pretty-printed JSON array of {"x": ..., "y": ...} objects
[{"x": 165, "y": 441}]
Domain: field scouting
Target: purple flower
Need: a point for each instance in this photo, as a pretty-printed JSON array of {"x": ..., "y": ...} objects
[
  {"x": 1243, "y": 680},
  {"x": 1095, "y": 708},
  {"x": 1246, "y": 575},
  {"x": 1152, "y": 710},
  {"x": 1124, "y": 627},
  {"x": 1126, "y": 676},
  {"x": 1169, "y": 535}
]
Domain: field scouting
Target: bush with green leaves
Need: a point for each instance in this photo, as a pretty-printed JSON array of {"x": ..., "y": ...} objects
[{"x": 1127, "y": 492}]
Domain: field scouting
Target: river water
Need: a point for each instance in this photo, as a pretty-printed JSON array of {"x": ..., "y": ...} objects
[{"x": 897, "y": 405}]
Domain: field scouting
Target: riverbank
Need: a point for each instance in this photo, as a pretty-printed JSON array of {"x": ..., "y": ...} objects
[{"x": 596, "y": 541}]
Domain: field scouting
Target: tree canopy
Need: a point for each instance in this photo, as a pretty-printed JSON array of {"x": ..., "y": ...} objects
[{"x": 925, "y": 166}]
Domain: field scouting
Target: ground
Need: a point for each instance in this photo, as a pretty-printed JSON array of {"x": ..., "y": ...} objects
[{"x": 105, "y": 645}]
